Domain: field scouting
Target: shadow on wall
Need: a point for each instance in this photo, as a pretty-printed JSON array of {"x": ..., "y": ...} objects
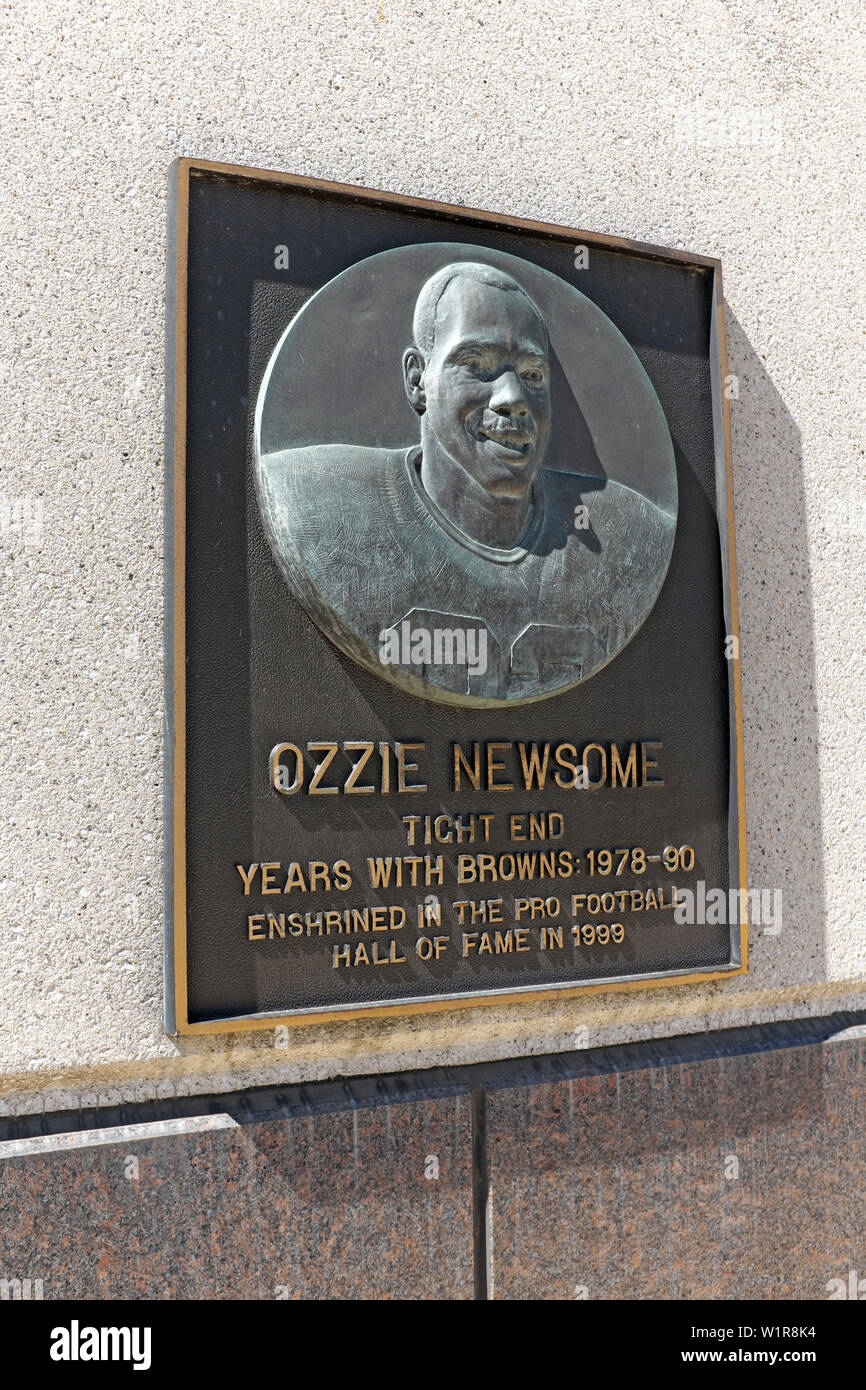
[{"x": 783, "y": 795}]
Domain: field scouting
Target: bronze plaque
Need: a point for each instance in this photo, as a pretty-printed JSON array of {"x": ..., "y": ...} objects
[{"x": 451, "y": 608}]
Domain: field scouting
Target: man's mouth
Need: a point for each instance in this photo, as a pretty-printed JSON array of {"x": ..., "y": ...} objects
[{"x": 514, "y": 444}]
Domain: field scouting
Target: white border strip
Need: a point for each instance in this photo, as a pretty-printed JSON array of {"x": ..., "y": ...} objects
[{"x": 115, "y": 1134}]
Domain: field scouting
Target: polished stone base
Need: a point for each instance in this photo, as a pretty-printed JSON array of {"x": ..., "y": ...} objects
[
  {"x": 323, "y": 1205},
  {"x": 717, "y": 1167}
]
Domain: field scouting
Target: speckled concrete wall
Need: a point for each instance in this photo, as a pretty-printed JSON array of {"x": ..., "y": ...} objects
[{"x": 733, "y": 129}]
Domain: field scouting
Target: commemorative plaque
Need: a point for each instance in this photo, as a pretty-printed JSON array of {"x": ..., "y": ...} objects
[{"x": 452, "y": 652}]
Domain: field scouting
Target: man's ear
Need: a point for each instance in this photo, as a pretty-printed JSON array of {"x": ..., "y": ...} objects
[{"x": 413, "y": 378}]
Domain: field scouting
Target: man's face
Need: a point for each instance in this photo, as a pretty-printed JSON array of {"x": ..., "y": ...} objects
[{"x": 487, "y": 385}]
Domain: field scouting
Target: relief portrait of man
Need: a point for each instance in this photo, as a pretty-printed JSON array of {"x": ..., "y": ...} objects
[{"x": 469, "y": 563}]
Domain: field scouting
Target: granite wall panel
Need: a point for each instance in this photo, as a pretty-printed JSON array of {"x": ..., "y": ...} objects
[
  {"x": 650, "y": 1173},
  {"x": 360, "y": 1204},
  {"x": 733, "y": 1177}
]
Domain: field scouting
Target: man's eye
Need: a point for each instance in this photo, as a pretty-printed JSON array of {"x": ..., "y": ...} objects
[{"x": 534, "y": 375}]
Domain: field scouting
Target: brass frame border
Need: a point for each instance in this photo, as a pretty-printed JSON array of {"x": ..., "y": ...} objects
[{"x": 176, "y": 1003}]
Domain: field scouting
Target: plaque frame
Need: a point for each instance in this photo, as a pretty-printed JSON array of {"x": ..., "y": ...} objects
[{"x": 176, "y": 1012}]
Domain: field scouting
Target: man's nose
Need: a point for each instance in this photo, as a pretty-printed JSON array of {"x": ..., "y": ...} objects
[{"x": 508, "y": 398}]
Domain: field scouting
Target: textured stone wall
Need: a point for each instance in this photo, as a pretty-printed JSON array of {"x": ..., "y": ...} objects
[{"x": 733, "y": 129}]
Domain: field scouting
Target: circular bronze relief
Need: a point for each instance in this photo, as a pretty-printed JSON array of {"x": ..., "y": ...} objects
[{"x": 465, "y": 474}]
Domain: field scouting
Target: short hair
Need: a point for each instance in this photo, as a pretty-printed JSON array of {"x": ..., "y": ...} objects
[{"x": 427, "y": 303}]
